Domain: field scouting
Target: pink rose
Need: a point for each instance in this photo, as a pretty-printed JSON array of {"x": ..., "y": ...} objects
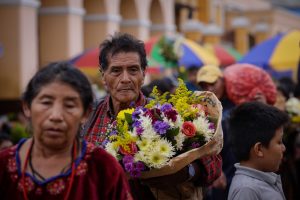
[{"x": 189, "y": 129}]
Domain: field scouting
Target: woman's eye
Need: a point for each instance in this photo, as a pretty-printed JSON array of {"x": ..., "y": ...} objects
[
  {"x": 70, "y": 105},
  {"x": 46, "y": 102}
]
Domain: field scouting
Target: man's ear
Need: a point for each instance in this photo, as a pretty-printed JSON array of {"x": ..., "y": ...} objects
[
  {"x": 102, "y": 77},
  {"x": 26, "y": 110},
  {"x": 257, "y": 149}
]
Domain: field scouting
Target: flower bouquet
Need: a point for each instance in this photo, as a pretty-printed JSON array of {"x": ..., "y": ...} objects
[
  {"x": 292, "y": 106},
  {"x": 165, "y": 135}
]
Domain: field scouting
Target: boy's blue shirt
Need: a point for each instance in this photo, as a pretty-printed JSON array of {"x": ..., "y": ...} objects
[{"x": 251, "y": 184}]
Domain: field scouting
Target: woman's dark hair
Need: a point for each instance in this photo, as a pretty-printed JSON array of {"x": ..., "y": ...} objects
[
  {"x": 121, "y": 42},
  {"x": 59, "y": 72},
  {"x": 253, "y": 122}
]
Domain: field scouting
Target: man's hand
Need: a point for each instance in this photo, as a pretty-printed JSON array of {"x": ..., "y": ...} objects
[{"x": 221, "y": 182}]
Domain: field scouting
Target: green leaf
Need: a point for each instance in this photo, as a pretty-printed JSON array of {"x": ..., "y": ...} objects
[
  {"x": 128, "y": 118},
  {"x": 172, "y": 132}
]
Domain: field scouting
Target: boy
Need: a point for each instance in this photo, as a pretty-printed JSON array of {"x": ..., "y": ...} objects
[{"x": 256, "y": 130}]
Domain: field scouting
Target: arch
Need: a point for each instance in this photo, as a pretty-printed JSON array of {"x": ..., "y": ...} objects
[
  {"x": 157, "y": 18},
  {"x": 128, "y": 10},
  {"x": 130, "y": 18},
  {"x": 156, "y": 12},
  {"x": 94, "y": 6},
  {"x": 94, "y": 22}
]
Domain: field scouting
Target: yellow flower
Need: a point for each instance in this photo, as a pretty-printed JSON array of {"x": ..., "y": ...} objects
[{"x": 121, "y": 114}]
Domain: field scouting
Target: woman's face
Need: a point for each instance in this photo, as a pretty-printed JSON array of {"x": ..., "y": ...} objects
[{"x": 56, "y": 114}]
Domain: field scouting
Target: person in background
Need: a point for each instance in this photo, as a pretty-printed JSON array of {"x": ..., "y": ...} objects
[
  {"x": 5, "y": 141},
  {"x": 122, "y": 64},
  {"x": 290, "y": 167},
  {"x": 54, "y": 163},
  {"x": 163, "y": 85},
  {"x": 210, "y": 78},
  {"x": 257, "y": 130},
  {"x": 285, "y": 90},
  {"x": 191, "y": 82}
]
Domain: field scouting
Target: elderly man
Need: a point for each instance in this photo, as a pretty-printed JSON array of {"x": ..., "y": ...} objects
[{"x": 122, "y": 64}]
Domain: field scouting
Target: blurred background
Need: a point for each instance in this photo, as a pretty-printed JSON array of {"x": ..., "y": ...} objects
[{"x": 180, "y": 36}]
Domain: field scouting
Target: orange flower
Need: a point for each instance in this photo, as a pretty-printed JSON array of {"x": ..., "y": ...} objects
[{"x": 189, "y": 129}]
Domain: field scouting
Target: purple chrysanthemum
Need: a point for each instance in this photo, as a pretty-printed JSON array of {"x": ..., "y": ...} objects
[
  {"x": 136, "y": 123},
  {"x": 166, "y": 107},
  {"x": 195, "y": 145},
  {"x": 104, "y": 143},
  {"x": 161, "y": 127},
  {"x": 113, "y": 132},
  {"x": 139, "y": 130},
  {"x": 136, "y": 113},
  {"x": 128, "y": 159},
  {"x": 129, "y": 166},
  {"x": 211, "y": 126}
]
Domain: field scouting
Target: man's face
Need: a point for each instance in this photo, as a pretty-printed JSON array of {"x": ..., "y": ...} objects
[
  {"x": 217, "y": 87},
  {"x": 124, "y": 77}
]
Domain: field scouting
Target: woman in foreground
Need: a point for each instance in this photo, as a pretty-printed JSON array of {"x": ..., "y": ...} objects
[{"x": 54, "y": 163}]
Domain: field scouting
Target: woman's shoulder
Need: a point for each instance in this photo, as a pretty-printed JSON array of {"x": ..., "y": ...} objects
[
  {"x": 98, "y": 154},
  {"x": 8, "y": 152},
  {"x": 102, "y": 160}
]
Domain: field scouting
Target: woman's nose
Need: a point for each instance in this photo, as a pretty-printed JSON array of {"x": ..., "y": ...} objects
[
  {"x": 283, "y": 148},
  {"x": 56, "y": 113}
]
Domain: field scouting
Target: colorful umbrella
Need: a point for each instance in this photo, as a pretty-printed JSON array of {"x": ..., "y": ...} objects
[
  {"x": 226, "y": 55},
  {"x": 87, "y": 61},
  {"x": 280, "y": 55},
  {"x": 178, "y": 51}
]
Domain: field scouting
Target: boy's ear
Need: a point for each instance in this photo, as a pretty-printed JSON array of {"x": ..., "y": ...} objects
[{"x": 258, "y": 149}]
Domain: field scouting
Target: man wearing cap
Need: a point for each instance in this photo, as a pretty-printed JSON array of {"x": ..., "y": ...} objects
[{"x": 210, "y": 78}]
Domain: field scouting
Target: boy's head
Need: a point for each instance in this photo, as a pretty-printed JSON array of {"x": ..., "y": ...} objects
[{"x": 256, "y": 132}]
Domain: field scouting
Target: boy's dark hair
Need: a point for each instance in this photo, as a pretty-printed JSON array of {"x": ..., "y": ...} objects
[
  {"x": 121, "y": 42},
  {"x": 61, "y": 72},
  {"x": 253, "y": 122}
]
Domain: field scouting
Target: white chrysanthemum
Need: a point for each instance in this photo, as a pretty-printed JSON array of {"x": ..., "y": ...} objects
[
  {"x": 165, "y": 148},
  {"x": 150, "y": 134},
  {"x": 133, "y": 133},
  {"x": 179, "y": 121},
  {"x": 143, "y": 144},
  {"x": 293, "y": 106},
  {"x": 146, "y": 122},
  {"x": 110, "y": 149},
  {"x": 168, "y": 121},
  {"x": 140, "y": 156},
  {"x": 202, "y": 127},
  {"x": 179, "y": 140},
  {"x": 157, "y": 160}
]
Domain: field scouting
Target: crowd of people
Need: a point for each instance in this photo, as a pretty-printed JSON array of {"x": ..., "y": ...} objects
[{"x": 64, "y": 157}]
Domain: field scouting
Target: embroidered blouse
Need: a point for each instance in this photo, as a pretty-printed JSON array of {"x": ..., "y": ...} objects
[{"x": 97, "y": 176}]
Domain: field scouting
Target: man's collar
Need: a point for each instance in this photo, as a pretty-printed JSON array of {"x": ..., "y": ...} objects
[{"x": 141, "y": 101}]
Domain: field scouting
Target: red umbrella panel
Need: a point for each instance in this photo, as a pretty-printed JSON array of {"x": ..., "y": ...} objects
[
  {"x": 226, "y": 55},
  {"x": 87, "y": 61}
]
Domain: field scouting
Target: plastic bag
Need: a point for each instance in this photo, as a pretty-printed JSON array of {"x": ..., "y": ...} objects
[{"x": 244, "y": 81}]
